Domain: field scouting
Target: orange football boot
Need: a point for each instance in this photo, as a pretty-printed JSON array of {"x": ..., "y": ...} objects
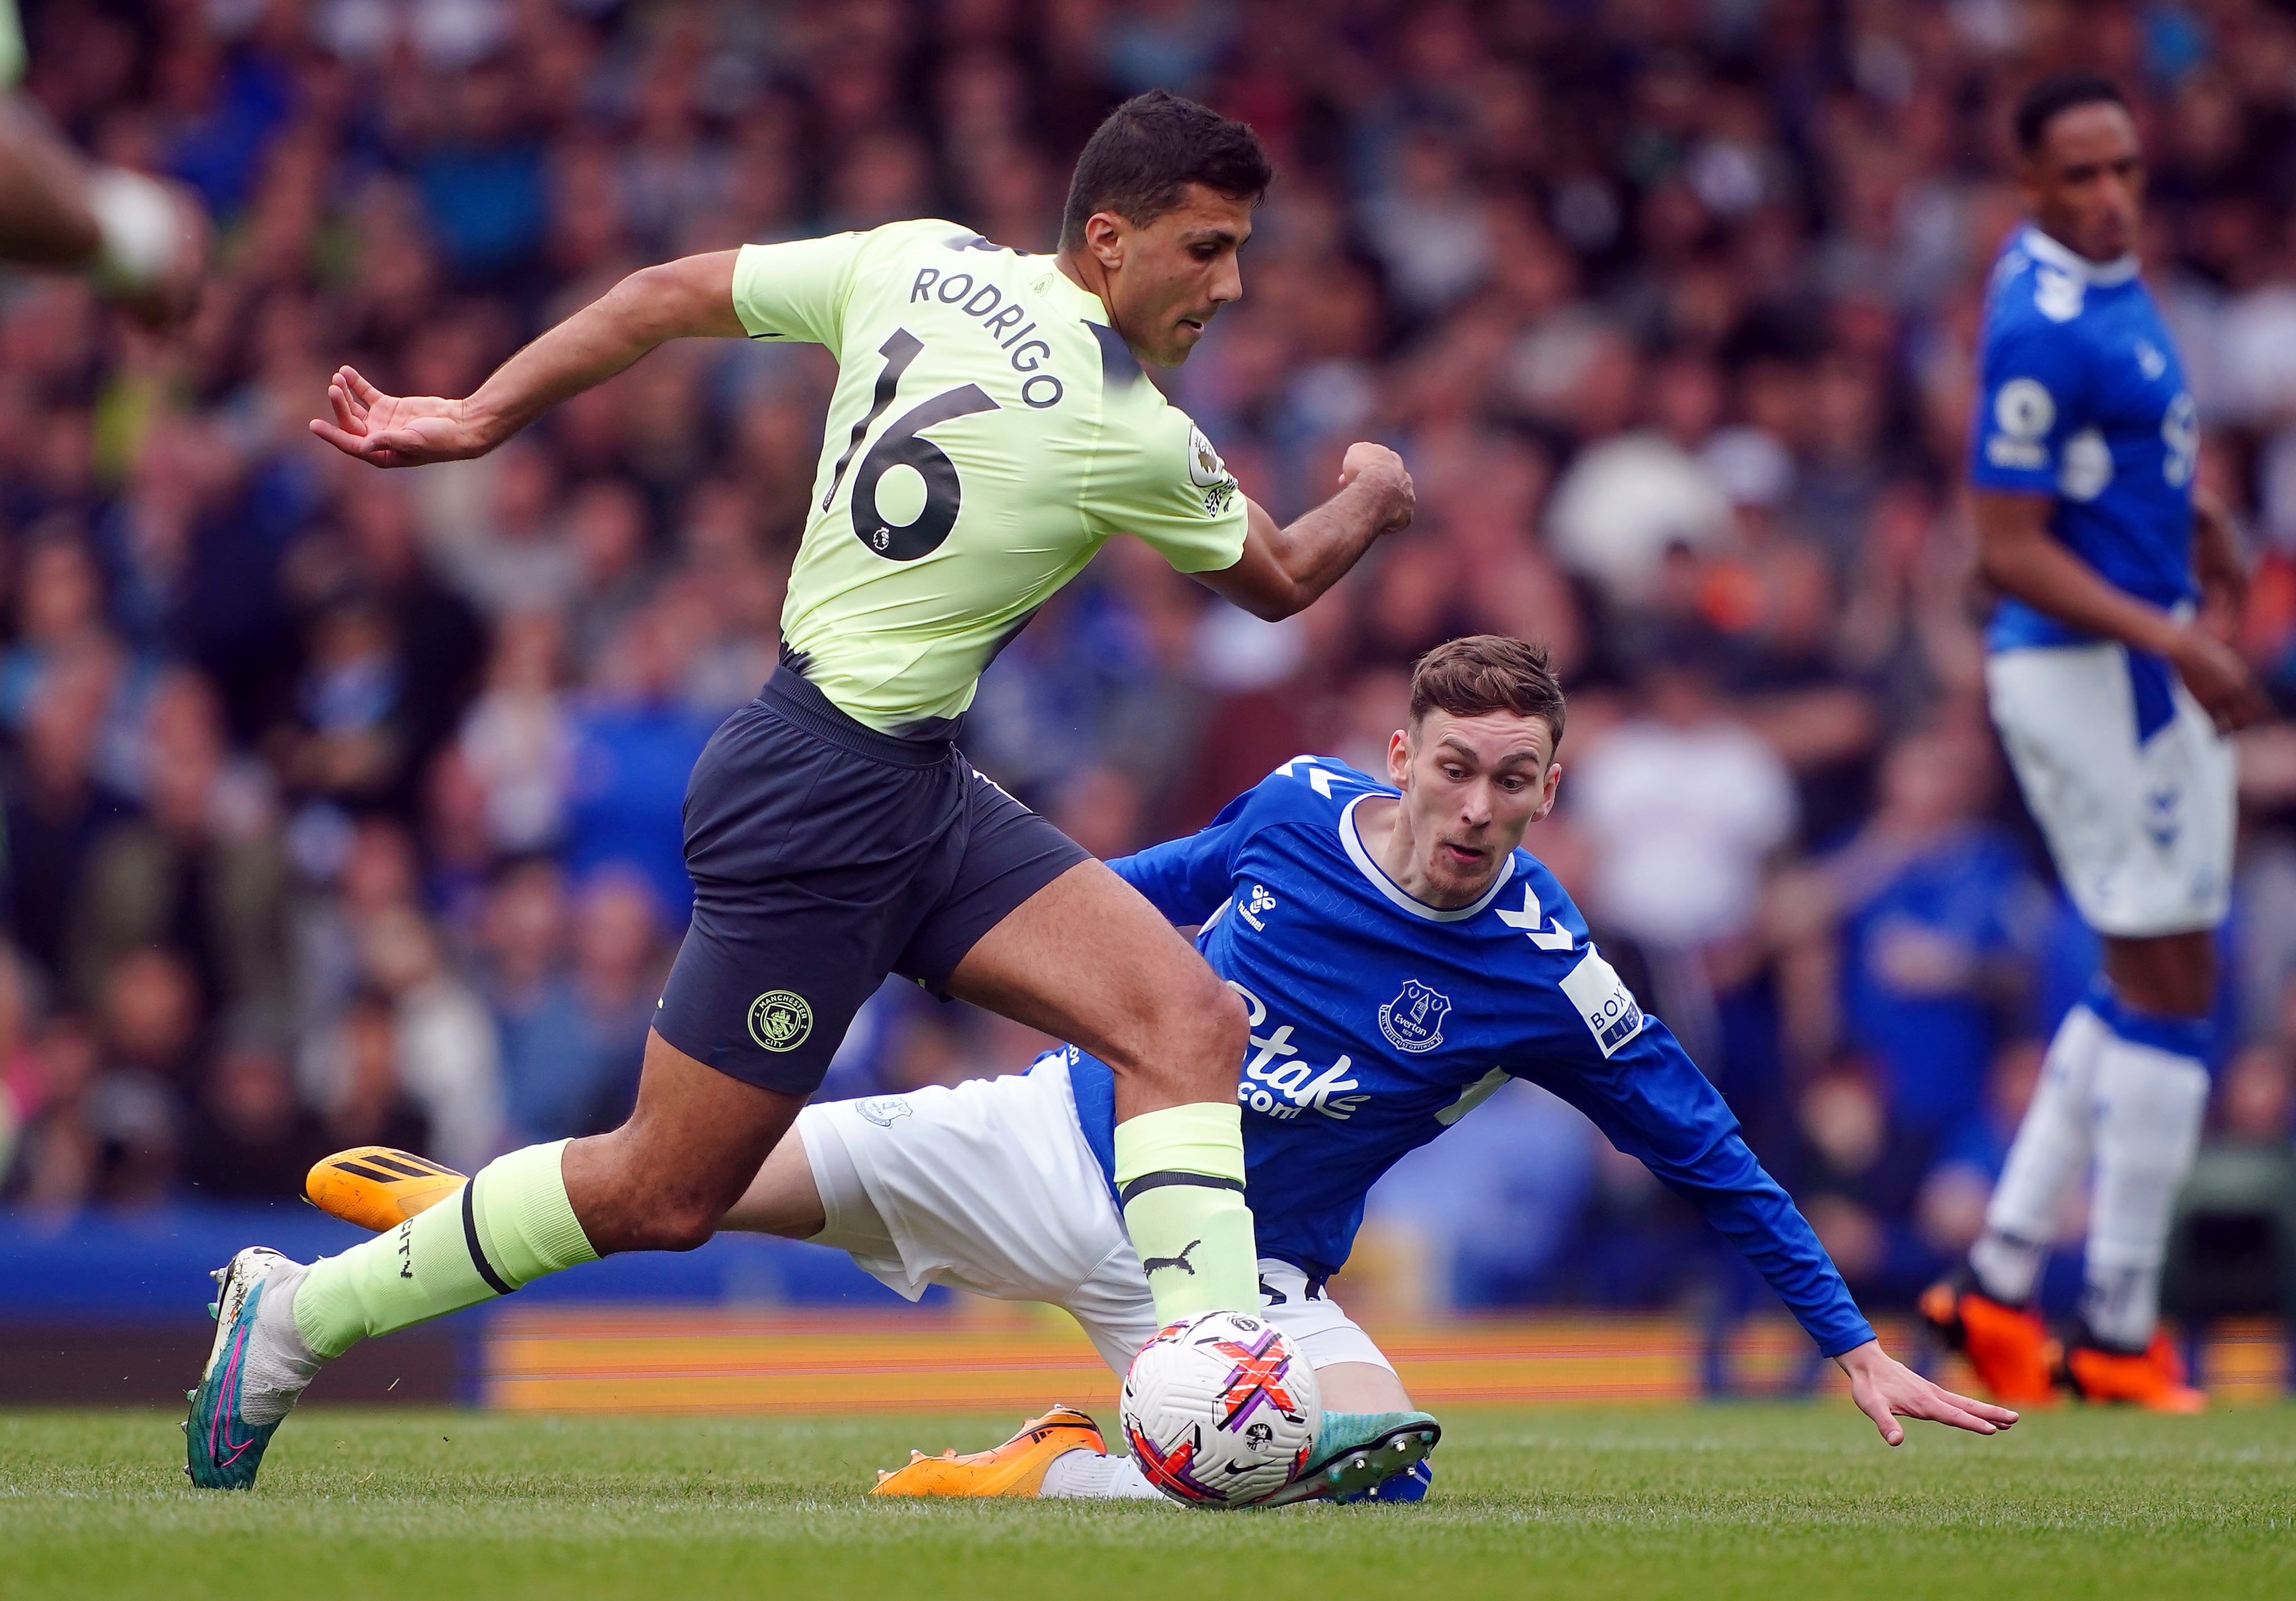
[
  {"x": 1015, "y": 1468},
  {"x": 2154, "y": 1379},
  {"x": 378, "y": 1187},
  {"x": 2009, "y": 1346}
]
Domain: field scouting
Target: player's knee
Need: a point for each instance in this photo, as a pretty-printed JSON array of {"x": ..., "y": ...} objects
[
  {"x": 689, "y": 1228},
  {"x": 1230, "y": 1029},
  {"x": 1184, "y": 1036},
  {"x": 638, "y": 1196},
  {"x": 1203, "y": 1036},
  {"x": 682, "y": 1224}
]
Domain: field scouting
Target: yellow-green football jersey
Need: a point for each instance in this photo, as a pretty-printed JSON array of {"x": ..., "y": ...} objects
[{"x": 990, "y": 431}]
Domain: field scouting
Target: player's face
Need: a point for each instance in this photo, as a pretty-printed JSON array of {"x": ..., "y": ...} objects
[
  {"x": 1169, "y": 278},
  {"x": 1471, "y": 785},
  {"x": 2085, "y": 184}
]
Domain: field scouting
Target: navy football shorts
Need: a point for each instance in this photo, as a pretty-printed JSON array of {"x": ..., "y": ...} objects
[{"x": 825, "y": 856}]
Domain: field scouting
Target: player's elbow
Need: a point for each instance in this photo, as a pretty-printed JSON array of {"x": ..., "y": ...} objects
[
  {"x": 1265, "y": 586},
  {"x": 1273, "y": 604},
  {"x": 2000, "y": 565},
  {"x": 1270, "y": 596}
]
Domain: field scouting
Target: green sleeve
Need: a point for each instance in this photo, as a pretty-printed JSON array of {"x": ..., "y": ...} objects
[
  {"x": 799, "y": 290},
  {"x": 12, "y": 46},
  {"x": 1155, "y": 475}
]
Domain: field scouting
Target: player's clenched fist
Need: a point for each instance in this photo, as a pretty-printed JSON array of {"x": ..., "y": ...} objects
[{"x": 1382, "y": 471}]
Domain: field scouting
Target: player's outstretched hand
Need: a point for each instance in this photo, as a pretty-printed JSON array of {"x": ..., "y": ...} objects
[
  {"x": 1886, "y": 1390},
  {"x": 1380, "y": 468},
  {"x": 396, "y": 431}
]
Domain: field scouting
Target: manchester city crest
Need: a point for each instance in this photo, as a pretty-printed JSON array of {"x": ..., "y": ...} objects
[
  {"x": 1413, "y": 1021},
  {"x": 780, "y": 1020}
]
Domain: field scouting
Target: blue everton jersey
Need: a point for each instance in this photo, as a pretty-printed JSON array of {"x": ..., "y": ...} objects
[
  {"x": 2081, "y": 397},
  {"x": 1378, "y": 1021}
]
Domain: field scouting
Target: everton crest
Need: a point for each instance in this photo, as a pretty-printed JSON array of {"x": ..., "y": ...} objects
[
  {"x": 885, "y": 1110},
  {"x": 1413, "y": 1021}
]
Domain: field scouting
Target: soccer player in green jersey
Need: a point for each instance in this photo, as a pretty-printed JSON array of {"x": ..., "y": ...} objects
[{"x": 991, "y": 428}]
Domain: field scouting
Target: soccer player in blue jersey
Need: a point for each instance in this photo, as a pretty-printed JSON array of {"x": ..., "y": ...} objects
[
  {"x": 2113, "y": 687},
  {"x": 1400, "y": 958}
]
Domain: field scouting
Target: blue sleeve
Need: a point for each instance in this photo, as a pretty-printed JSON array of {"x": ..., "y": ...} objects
[
  {"x": 1188, "y": 879},
  {"x": 2032, "y": 397},
  {"x": 1652, "y": 1102}
]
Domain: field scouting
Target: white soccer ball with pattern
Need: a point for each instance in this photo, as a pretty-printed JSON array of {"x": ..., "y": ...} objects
[{"x": 1221, "y": 1411}]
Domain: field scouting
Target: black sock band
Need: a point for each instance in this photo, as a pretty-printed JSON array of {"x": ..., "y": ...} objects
[
  {"x": 471, "y": 1238},
  {"x": 1156, "y": 1181}
]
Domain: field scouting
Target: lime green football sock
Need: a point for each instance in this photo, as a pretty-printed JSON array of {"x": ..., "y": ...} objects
[
  {"x": 1179, "y": 1173},
  {"x": 508, "y": 1226}
]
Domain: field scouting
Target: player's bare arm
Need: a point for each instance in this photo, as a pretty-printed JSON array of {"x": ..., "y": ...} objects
[
  {"x": 44, "y": 219},
  {"x": 1284, "y": 570},
  {"x": 689, "y": 298},
  {"x": 2219, "y": 564},
  {"x": 2017, "y": 554},
  {"x": 1162, "y": 281}
]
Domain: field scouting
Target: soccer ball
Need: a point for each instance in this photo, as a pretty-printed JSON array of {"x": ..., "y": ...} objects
[{"x": 1221, "y": 1411}]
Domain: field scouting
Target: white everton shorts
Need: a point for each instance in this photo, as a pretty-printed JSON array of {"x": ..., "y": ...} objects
[
  {"x": 2142, "y": 830},
  {"x": 990, "y": 1188}
]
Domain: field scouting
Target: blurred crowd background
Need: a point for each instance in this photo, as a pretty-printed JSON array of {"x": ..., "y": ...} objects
[{"x": 344, "y": 806}]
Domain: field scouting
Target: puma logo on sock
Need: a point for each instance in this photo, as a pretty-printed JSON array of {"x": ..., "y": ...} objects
[{"x": 1180, "y": 1261}]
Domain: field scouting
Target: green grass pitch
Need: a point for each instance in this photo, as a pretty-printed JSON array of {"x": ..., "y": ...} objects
[{"x": 1797, "y": 1502}]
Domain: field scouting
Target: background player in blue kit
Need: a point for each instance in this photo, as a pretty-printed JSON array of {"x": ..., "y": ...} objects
[{"x": 2113, "y": 685}]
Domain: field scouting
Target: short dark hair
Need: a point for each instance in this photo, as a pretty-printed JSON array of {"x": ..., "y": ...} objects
[
  {"x": 1151, "y": 148},
  {"x": 1485, "y": 673},
  {"x": 2058, "y": 93}
]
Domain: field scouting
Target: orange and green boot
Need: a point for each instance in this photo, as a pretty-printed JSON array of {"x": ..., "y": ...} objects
[{"x": 1015, "y": 1468}]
